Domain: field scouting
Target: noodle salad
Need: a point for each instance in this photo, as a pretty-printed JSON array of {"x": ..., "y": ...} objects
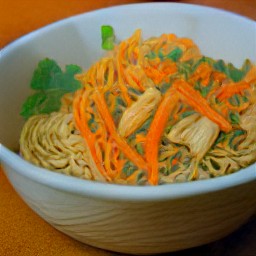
[{"x": 149, "y": 112}]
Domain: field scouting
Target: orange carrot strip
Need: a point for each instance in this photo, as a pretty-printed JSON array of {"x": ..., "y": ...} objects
[
  {"x": 133, "y": 79},
  {"x": 160, "y": 42},
  {"x": 133, "y": 44},
  {"x": 110, "y": 74},
  {"x": 155, "y": 74},
  {"x": 140, "y": 138},
  {"x": 229, "y": 90},
  {"x": 118, "y": 163},
  {"x": 218, "y": 76},
  {"x": 237, "y": 108},
  {"x": 171, "y": 37},
  {"x": 107, "y": 159},
  {"x": 203, "y": 72},
  {"x": 81, "y": 122},
  {"x": 156, "y": 130},
  {"x": 120, "y": 71},
  {"x": 175, "y": 161},
  {"x": 168, "y": 67},
  {"x": 200, "y": 104},
  {"x": 120, "y": 141}
]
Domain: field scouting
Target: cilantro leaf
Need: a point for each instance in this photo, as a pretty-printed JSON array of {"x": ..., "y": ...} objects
[
  {"x": 68, "y": 82},
  {"x": 42, "y": 103},
  {"x": 44, "y": 76},
  {"x": 29, "y": 108},
  {"x": 108, "y": 37},
  {"x": 50, "y": 84}
]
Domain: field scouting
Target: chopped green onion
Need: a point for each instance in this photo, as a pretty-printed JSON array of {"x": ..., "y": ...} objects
[
  {"x": 175, "y": 54},
  {"x": 234, "y": 118},
  {"x": 108, "y": 37}
]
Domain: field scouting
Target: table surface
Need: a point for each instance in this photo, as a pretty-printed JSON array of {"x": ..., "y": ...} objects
[{"x": 22, "y": 232}]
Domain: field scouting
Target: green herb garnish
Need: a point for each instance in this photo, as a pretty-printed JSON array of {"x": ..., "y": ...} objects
[
  {"x": 234, "y": 139},
  {"x": 187, "y": 113},
  {"x": 175, "y": 54},
  {"x": 221, "y": 138},
  {"x": 231, "y": 71},
  {"x": 50, "y": 83},
  {"x": 129, "y": 168},
  {"x": 108, "y": 37},
  {"x": 234, "y": 118},
  {"x": 184, "y": 68}
]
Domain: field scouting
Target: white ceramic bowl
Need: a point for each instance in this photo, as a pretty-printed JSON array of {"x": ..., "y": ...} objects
[{"x": 137, "y": 220}]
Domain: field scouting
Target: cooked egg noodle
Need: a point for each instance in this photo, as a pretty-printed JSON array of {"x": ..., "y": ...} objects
[{"x": 121, "y": 94}]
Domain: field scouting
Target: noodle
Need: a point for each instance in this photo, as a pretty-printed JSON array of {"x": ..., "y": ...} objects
[{"x": 151, "y": 112}]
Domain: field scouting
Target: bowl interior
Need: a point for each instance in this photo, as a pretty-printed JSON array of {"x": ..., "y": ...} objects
[{"x": 77, "y": 40}]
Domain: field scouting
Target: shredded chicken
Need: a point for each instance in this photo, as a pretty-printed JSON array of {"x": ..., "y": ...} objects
[
  {"x": 197, "y": 132},
  {"x": 248, "y": 123},
  {"x": 134, "y": 116}
]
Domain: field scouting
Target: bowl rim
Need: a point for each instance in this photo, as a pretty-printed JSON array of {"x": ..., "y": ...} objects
[
  {"x": 13, "y": 162},
  {"x": 188, "y": 6}
]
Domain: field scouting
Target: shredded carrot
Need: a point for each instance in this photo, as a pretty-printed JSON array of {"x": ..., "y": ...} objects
[
  {"x": 175, "y": 161},
  {"x": 161, "y": 42},
  {"x": 128, "y": 59},
  {"x": 108, "y": 159},
  {"x": 112, "y": 102},
  {"x": 171, "y": 37},
  {"x": 155, "y": 74},
  {"x": 160, "y": 71},
  {"x": 187, "y": 42},
  {"x": 200, "y": 104},
  {"x": 79, "y": 105},
  {"x": 168, "y": 67},
  {"x": 110, "y": 126},
  {"x": 203, "y": 73},
  {"x": 140, "y": 138},
  {"x": 239, "y": 109},
  {"x": 132, "y": 47},
  {"x": 120, "y": 72},
  {"x": 223, "y": 109},
  {"x": 118, "y": 163},
  {"x": 90, "y": 77},
  {"x": 134, "y": 65},
  {"x": 218, "y": 76},
  {"x": 228, "y": 90},
  {"x": 133, "y": 79},
  {"x": 156, "y": 130}
]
